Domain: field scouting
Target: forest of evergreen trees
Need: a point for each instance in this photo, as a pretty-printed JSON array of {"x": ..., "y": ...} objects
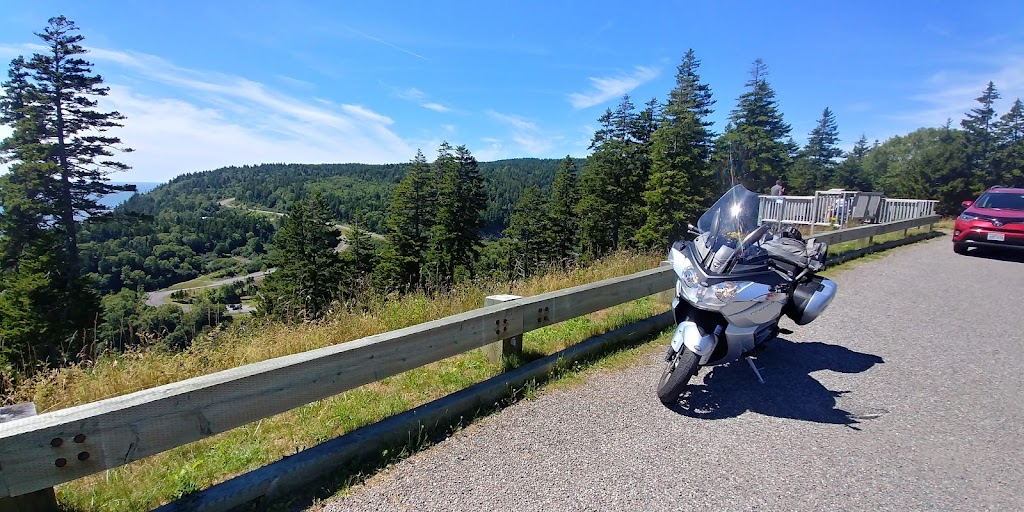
[{"x": 72, "y": 274}]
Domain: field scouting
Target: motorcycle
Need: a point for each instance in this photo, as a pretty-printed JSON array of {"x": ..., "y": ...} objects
[{"x": 735, "y": 280}]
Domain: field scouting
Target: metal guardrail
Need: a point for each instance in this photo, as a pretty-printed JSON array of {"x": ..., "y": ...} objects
[{"x": 41, "y": 451}]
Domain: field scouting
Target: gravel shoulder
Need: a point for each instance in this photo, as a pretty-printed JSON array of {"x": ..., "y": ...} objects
[{"x": 905, "y": 395}]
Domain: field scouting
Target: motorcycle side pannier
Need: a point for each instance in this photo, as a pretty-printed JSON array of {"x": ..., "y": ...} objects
[{"x": 810, "y": 299}]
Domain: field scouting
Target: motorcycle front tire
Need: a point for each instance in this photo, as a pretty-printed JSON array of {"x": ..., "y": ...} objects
[{"x": 677, "y": 374}]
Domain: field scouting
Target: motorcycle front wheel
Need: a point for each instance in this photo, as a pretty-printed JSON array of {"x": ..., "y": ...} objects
[{"x": 677, "y": 374}]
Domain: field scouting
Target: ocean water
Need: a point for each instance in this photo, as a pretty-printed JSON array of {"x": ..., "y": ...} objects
[{"x": 112, "y": 200}]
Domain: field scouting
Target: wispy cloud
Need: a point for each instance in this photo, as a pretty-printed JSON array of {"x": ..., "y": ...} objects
[
  {"x": 951, "y": 94},
  {"x": 411, "y": 94},
  {"x": 295, "y": 82},
  {"x": 436, "y": 107},
  {"x": 421, "y": 98},
  {"x": 202, "y": 120},
  {"x": 515, "y": 121},
  {"x": 524, "y": 133},
  {"x": 606, "y": 88}
]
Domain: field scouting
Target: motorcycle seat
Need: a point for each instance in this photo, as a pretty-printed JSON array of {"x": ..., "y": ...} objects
[{"x": 795, "y": 252}]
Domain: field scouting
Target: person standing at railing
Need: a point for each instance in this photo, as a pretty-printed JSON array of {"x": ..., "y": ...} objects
[{"x": 778, "y": 189}]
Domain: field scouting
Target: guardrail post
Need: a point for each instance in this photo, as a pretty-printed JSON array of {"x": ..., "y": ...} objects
[
  {"x": 665, "y": 296},
  {"x": 42, "y": 500},
  {"x": 499, "y": 350}
]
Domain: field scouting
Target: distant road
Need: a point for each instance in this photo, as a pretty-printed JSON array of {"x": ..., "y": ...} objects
[
  {"x": 160, "y": 297},
  {"x": 230, "y": 203}
]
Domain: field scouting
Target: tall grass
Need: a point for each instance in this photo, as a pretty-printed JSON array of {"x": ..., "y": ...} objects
[{"x": 149, "y": 482}]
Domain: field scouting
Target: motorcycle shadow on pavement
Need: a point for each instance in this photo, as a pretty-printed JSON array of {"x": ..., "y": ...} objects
[{"x": 789, "y": 390}]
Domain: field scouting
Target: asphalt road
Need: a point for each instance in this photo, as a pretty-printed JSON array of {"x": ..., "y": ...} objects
[
  {"x": 905, "y": 395},
  {"x": 160, "y": 297}
]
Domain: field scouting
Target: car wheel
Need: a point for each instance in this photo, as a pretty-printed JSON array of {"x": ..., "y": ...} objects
[{"x": 959, "y": 248}]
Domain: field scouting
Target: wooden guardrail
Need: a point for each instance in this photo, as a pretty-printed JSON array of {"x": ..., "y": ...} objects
[
  {"x": 872, "y": 230},
  {"x": 67, "y": 444},
  {"x": 41, "y": 451}
]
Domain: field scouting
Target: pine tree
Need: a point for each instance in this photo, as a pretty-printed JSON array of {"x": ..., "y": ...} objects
[
  {"x": 1010, "y": 146},
  {"x": 410, "y": 219},
  {"x": 309, "y": 272},
  {"x": 528, "y": 229},
  {"x": 680, "y": 183},
  {"x": 980, "y": 139},
  {"x": 754, "y": 148},
  {"x": 563, "y": 222}
]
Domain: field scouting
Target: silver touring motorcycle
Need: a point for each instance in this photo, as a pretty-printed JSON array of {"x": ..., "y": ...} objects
[{"x": 735, "y": 281}]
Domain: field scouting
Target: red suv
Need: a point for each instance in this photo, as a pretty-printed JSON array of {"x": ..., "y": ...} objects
[{"x": 996, "y": 219}]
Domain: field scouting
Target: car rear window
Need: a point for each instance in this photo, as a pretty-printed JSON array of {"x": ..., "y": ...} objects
[{"x": 1001, "y": 201}]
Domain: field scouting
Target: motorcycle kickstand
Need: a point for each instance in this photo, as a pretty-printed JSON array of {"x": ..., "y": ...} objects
[{"x": 750, "y": 361}]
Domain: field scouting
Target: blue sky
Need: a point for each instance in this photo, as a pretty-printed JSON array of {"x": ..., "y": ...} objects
[{"x": 208, "y": 84}]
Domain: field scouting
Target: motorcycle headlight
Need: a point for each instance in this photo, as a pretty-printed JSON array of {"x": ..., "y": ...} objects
[
  {"x": 720, "y": 294},
  {"x": 725, "y": 291},
  {"x": 690, "y": 278}
]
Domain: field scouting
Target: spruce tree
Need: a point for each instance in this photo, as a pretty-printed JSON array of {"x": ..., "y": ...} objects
[
  {"x": 980, "y": 139},
  {"x": 528, "y": 230},
  {"x": 55, "y": 120},
  {"x": 309, "y": 274},
  {"x": 611, "y": 185},
  {"x": 755, "y": 148},
  {"x": 816, "y": 164},
  {"x": 455, "y": 237},
  {"x": 410, "y": 219},
  {"x": 1010, "y": 146},
  {"x": 680, "y": 183},
  {"x": 563, "y": 222},
  {"x": 851, "y": 173},
  {"x": 60, "y": 162},
  {"x": 359, "y": 258}
]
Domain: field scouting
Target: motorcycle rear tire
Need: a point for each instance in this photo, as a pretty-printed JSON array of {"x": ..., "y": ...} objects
[{"x": 677, "y": 374}]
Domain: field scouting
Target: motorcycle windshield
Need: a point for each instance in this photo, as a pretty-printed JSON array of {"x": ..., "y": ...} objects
[{"x": 730, "y": 219}]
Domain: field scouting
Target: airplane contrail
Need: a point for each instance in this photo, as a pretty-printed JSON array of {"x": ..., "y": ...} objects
[{"x": 381, "y": 41}]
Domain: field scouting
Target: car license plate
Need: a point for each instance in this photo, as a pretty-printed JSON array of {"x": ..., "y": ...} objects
[{"x": 998, "y": 237}]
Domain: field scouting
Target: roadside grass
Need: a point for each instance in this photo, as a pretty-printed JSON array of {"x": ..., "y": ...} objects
[
  {"x": 854, "y": 245},
  {"x": 149, "y": 482}
]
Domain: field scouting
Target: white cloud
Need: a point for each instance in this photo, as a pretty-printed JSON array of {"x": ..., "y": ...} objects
[
  {"x": 606, "y": 88},
  {"x": 436, "y": 107},
  {"x": 203, "y": 120}
]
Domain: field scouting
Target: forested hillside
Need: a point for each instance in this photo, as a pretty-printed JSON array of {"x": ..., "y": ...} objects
[
  {"x": 71, "y": 272},
  {"x": 347, "y": 188}
]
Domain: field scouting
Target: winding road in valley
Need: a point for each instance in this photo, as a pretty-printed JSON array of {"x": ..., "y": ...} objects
[{"x": 161, "y": 297}]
